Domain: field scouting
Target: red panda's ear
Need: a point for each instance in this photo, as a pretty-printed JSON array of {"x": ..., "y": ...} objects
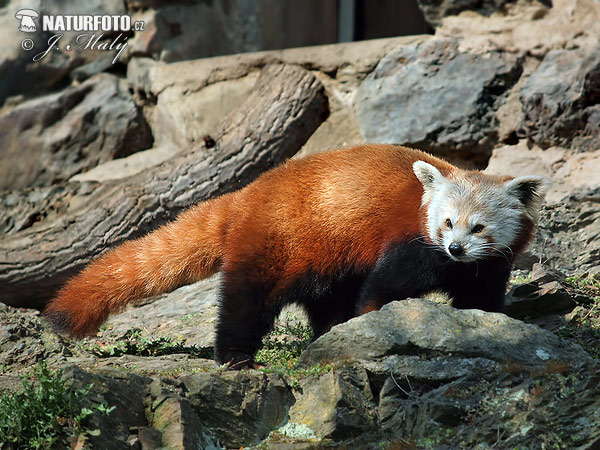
[
  {"x": 431, "y": 179},
  {"x": 530, "y": 191},
  {"x": 429, "y": 176}
]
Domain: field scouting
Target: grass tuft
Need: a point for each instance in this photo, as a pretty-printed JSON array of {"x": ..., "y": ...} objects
[{"x": 46, "y": 413}]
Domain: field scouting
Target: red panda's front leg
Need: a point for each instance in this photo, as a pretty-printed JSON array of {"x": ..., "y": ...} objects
[
  {"x": 406, "y": 269},
  {"x": 480, "y": 285}
]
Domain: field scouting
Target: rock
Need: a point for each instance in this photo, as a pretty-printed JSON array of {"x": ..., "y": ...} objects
[
  {"x": 570, "y": 172},
  {"x": 568, "y": 236},
  {"x": 337, "y": 405},
  {"x": 24, "y": 342},
  {"x": 188, "y": 313},
  {"x": 473, "y": 409},
  {"x": 527, "y": 27},
  {"x": 561, "y": 100},
  {"x": 103, "y": 63},
  {"x": 188, "y": 30},
  {"x": 435, "y": 10},
  {"x": 19, "y": 73},
  {"x": 427, "y": 328},
  {"x": 434, "y": 97},
  {"x": 538, "y": 298},
  {"x": 149, "y": 438},
  {"x": 56, "y": 136},
  {"x": 509, "y": 112},
  {"x": 339, "y": 130},
  {"x": 352, "y": 61},
  {"x": 420, "y": 372},
  {"x": 126, "y": 392},
  {"x": 179, "y": 426},
  {"x": 238, "y": 408},
  {"x": 541, "y": 274}
]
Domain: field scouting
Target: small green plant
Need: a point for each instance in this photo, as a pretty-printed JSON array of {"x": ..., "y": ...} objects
[
  {"x": 588, "y": 284},
  {"x": 284, "y": 344},
  {"x": 134, "y": 342},
  {"x": 584, "y": 328},
  {"x": 438, "y": 437},
  {"x": 521, "y": 279},
  {"x": 44, "y": 414}
]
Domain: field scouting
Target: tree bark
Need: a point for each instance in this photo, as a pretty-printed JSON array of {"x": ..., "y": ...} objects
[{"x": 286, "y": 107}]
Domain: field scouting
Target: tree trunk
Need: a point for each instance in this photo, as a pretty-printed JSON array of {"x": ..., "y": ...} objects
[{"x": 286, "y": 107}]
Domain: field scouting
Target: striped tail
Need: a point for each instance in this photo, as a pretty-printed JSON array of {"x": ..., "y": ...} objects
[{"x": 181, "y": 252}]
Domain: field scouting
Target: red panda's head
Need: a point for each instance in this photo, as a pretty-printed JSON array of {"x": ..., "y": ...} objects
[{"x": 472, "y": 216}]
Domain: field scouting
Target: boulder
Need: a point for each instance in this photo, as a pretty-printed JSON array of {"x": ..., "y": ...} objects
[
  {"x": 561, "y": 100},
  {"x": 125, "y": 391},
  {"x": 20, "y": 74},
  {"x": 179, "y": 426},
  {"x": 435, "y": 10},
  {"x": 189, "y": 30},
  {"x": 434, "y": 97},
  {"x": 428, "y": 374},
  {"x": 188, "y": 314},
  {"x": 570, "y": 171},
  {"x": 429, "y": 329},
  {"x": 568, "y": 236},
  {"x": 527, "y": 27},
  {"x": 58, "y": 135},
  {"x": 238, "y": 408}
]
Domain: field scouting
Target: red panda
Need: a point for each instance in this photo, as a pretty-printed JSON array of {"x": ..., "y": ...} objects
[{"x": 341, "y": 233}]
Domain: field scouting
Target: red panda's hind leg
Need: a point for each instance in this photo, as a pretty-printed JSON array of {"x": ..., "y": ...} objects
[{"x": 245, "y": 317}]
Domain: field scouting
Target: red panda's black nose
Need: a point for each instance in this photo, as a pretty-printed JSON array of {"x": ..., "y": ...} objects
[{"x": 456, "y": 249}]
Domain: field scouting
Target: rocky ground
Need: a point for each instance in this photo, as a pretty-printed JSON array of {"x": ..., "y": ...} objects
[{"x": 515, "y": 91}]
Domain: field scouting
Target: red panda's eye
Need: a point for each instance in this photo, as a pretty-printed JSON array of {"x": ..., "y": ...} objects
[
  {"x": 477, "y": 228},
  {"x": 449, "y": 223}
]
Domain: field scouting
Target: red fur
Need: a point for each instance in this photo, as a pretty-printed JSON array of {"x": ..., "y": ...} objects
[{"x": 318, "y": 214}]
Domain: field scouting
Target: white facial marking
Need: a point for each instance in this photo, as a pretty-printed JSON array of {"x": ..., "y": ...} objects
[{"x": 496, "y": 210}]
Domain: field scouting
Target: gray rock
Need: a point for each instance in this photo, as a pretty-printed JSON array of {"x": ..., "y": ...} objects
[
  {"x": 189, "y": 30},
  {"x": 179, "y": 426},
  {"x": 336, "y": 405},
  {"x": 535, "y": 299},
  {"x": 439, "y": 376},
  {"x": 124, "y": 391},
  {"x": 421, "y": 327},
  {"x": 434, "y": 97},
  {"x": 56, "y": 136},
  {"x": 19, "y": 73},
  {"x": 544, "y": 294},
  {"x": 435, "y": 10},
  {"x": 561, "y": 100},
  {"x": 568, "y": 237},
  {"x": 188, "y": 313},
  {"x": 238, "y": 408},
  {"x": 103, "y": 63}
]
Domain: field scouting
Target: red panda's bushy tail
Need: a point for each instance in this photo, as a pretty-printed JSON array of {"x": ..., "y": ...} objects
[{"x": 181, "y": 252}]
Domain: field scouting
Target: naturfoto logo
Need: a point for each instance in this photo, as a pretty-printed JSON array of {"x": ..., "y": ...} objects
[{"x": 92, "y": 28}]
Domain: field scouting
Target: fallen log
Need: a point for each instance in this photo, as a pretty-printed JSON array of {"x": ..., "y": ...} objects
[{"x": 286, "y": 107}]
